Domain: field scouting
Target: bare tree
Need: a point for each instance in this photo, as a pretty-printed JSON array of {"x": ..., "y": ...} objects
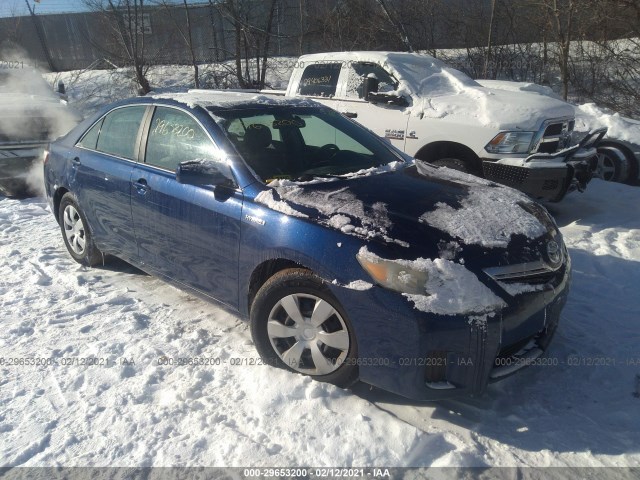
[
  {"x": 252, "y": 38},
  {"x": 126, "y": 27},
  {"x": 185, "y": 32}
]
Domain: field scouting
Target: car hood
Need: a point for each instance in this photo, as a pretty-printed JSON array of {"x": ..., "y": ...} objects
[{"x": 421, "y": 211}]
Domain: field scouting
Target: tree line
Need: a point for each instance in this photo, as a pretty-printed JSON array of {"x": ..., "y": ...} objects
[{"x": 586, "y": 50}]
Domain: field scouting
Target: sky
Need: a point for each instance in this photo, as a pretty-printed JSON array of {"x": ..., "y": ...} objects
[
  {"x": 18, "y": 7},
  {"x": 10, "y": 8}
]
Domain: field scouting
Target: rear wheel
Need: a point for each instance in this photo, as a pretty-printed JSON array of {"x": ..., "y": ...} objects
[
  {"x": 297, "y": 324},
  {"x": 76, "y": 234}
]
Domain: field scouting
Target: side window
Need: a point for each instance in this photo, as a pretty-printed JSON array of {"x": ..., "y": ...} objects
[
  {"x": 358, "y": 71},
  {"x": 90, "y": 139},
  {"x": 175, "y": 137},
  {"x": 320, "y": 80},
  {"x": 120, "y": 130}
]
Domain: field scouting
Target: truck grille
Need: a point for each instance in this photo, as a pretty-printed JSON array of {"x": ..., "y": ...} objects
[
  {"x": 506, "y": 174},
  {"x": 556, "y": 135}
]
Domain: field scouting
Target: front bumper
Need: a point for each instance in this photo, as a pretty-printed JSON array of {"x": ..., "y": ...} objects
[
  {"x": 429, "y": 357},
  {"x": 15, "y": 165},
  {"x": 548, "y": 176}
]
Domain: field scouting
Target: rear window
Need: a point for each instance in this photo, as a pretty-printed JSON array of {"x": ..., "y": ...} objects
[
  {"x": 320, "y": 80},
  {"x": 120, "y": 130}
]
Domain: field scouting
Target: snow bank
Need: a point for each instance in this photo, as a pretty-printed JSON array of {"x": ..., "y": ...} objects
[{"x": 589, "y": 117}]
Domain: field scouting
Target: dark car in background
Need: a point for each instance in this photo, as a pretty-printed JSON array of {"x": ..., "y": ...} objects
[
  {"x": 31, "y": 115},
  {"x": 351, "y": 260}
]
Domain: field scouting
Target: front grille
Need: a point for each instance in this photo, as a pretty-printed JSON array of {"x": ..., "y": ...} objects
[
  {"x": 541, "y": 278},
  {"x": 556, "y": 136},
  {"x": 506, "y": 174}
]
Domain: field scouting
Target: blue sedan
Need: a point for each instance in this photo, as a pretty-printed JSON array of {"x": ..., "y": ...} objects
[{"x": 350, "y": 260}]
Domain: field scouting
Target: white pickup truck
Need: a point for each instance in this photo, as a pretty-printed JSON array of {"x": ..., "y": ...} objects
[{"x": 439, "y": 115}]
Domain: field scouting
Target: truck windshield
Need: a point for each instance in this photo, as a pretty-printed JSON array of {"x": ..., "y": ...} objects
[{"x": 299, "y": 143}]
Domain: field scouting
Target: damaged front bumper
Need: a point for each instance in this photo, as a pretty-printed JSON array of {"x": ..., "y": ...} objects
[
  {"x": 548, "y": 176},
  {"x": 426, "y": 356}
]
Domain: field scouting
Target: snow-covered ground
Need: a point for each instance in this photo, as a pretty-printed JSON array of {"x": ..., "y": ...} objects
[{"x": 133, "y": 411}]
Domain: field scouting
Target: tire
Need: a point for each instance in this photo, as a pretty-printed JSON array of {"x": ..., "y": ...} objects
[
  {"x": 612, "y": 165},
  {"x": 76, "y": 233},
  {"x": 301, "y": 345},
  {"x": 454, "y": 163}
]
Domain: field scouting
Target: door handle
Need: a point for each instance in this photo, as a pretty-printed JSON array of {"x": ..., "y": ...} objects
[
  {"x": 76, "y": 160},
  {"x": 350, "y": 114},
  {"x": 141, "y": 186}
]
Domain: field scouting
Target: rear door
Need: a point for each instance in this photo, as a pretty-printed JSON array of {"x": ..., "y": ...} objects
[
  {"x": 190, "y": 234},
  {"x": 101, "y": 167}
]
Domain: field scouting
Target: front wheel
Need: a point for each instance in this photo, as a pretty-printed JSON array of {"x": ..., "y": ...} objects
[
  {"x": 76, "y": 234},
  {"x": 297, "y": 324}
]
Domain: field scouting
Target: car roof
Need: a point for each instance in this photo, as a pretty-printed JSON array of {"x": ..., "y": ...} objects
[{"x": 231, "y": 99}]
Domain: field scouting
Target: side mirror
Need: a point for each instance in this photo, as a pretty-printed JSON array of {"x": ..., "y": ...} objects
[
  {"x": 388, "y": 98},
  {"x": 371, "y": 84},
  {"x": 201, "y": 172}
]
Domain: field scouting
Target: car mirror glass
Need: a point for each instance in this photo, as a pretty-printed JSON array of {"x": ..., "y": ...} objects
[{"x": 202, "y": 172}]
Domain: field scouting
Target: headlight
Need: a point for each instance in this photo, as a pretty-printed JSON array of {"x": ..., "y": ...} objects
[
  {"x": 394, "y": 275},
  {"x": 510, "y": 142}
]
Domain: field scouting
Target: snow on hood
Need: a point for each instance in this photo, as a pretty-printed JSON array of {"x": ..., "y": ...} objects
[
  {"x": 451, "y": 289},
  {"x": 487, "y": 216},
  {"x": 341, "y": 207},
  {"x": 436, "y": 90},
  {"x": 470, "y": 210},
  {"x": 527, "y": 87}
]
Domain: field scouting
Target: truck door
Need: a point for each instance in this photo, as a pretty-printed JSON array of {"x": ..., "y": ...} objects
[{"x": 387, "y": 121}]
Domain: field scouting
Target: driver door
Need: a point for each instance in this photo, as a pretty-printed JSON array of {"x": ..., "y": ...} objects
[
  {"x": 189, "y": 234},
  {"x": 387, "y": 121}
]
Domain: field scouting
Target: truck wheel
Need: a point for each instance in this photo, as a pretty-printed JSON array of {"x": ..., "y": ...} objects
[
  {"x": 76, "y": 234},
  {"x": 297, "y": 324},
  {"x": 612, "y": 165},
  {"x": 454, "y": 163}
]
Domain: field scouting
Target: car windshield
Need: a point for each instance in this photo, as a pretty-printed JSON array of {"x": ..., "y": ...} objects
[{"x": 299, "y": 143}]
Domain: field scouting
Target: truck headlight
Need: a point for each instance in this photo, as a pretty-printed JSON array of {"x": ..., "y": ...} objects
[
  {"x": 510, "y": 142},
  {"x": 394, "y": 275}
]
